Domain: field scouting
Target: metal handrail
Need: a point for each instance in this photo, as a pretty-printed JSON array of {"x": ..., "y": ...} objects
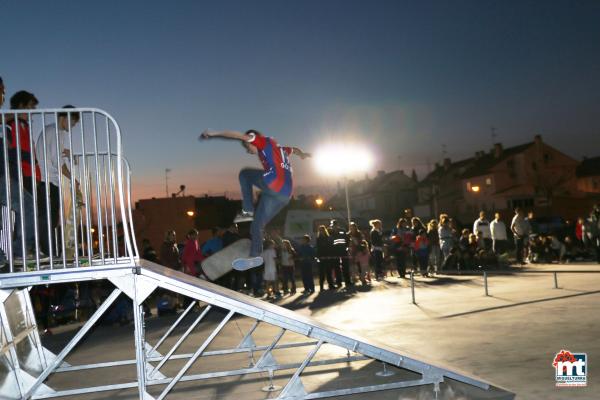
[
  {"x": 485, "y": 274},
  {"x": 102, "y": 193},
  {"x": 519, "y": 271}
]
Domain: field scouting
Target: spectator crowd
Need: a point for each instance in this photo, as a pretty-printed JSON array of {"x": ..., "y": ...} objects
[{"x": 340, "y": 258}]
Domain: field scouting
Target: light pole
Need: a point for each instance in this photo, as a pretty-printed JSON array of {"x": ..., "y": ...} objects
[
  {"x": 347, "y": 200},
  {"x": 167, "y": 170},
  {"x": 343, "y": 160}
]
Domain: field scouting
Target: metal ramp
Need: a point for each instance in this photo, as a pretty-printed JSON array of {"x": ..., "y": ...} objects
[
  {"x": 292, "y": 356},
  {"x": 164, "y": 366}
]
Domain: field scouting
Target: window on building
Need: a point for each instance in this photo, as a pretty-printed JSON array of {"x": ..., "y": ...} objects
[
  {"x": 488, "y": 181},
  {"x": 469, "y": 186},
  {"x": 547, "y": 158}
]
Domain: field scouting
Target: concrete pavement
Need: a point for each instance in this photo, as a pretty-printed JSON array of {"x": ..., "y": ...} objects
[{"x": 508, "y": 338}]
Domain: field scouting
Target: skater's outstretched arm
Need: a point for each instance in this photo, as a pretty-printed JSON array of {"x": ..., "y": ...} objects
[
  {"x": 297, "y": 151},
  {"x": 235, "y": 135}
]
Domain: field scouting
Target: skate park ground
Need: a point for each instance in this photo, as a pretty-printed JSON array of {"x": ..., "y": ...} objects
[{"x": 508, "y": 338}]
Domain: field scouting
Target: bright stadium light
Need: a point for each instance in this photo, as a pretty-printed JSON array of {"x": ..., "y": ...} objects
[{"x": 342, "y": 160}]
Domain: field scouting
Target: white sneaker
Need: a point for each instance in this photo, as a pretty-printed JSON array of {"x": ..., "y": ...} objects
[
  {"x": 244, "y": 216},
  {"x": 243, "y": 264}
]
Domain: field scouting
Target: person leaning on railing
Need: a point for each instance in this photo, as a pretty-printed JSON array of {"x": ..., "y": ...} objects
[
  {"x": 14, "y": 196},
  {"x": 19, "y": 146},
  {"x": 51, "y": 147}
]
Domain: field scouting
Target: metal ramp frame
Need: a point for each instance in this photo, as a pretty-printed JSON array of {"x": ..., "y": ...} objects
[{"x": 143, "y": 279}]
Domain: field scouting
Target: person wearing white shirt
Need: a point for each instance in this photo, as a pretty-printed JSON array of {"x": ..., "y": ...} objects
[
  {"x": 54, "y": 159},
  {"x": 521, "y": 229},
  {"x": 481, "y": 226},
  {"x": 499, "y": 238}
]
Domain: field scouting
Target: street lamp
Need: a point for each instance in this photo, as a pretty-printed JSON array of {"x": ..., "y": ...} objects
[
  {"x": 190, "y": 213},
  {"x": 319, "y": 201},
  {"x": 343, "y": 160}
]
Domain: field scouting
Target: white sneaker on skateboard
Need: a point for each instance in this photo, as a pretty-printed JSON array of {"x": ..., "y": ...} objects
[
  {"x": 243, "y": 264},
  {"x": 244, "y": 216}
]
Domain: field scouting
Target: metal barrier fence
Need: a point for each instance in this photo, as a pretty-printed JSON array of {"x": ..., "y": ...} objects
[
  {"x": 65, "y": 190},
  {"x": 486, "y": 274}
]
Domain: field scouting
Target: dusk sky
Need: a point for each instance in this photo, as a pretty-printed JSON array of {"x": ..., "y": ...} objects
[{"x": 403, "y": 78}]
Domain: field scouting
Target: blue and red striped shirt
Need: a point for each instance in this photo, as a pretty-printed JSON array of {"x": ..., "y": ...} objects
[{"x": 275, "y": 162}]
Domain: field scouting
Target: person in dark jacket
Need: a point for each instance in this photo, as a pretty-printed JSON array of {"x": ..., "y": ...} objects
[
  {"x": 339, "y": 239},
  {"x": 307, "y": 255},
  {"x": 169, "y": 252},
  {"x": 326, "y": 258},
  {"x": 376, "y": 236}
]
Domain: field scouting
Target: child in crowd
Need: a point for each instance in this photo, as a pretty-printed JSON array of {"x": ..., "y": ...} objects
[
  {"x": 422, "y": 251},
  {"x": 307, "y": 256},
  {"x": 452, "y": 262},
  {"x": 270, "y": 275},
  {"x": 400, "y": 245},
  {"x": 362, "y": 257},
  {"x": 192, "y": 255},
  {"x": 471, "y": 253},
  {"x": 286, "y": 260}
]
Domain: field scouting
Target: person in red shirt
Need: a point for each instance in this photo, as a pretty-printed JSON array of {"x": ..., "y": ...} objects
[
  {"x": 274, "y": 180},
  {"x": 18, "y": 133},
  {"x": 192, "y": 254},
  {"x": 579, "y": 229},
  {"x": 16, "y": 197},
  {"x": 422, "y": 251}
]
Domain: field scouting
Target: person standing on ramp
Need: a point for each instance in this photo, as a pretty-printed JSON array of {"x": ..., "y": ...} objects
[{"x": 274, "y": 180}]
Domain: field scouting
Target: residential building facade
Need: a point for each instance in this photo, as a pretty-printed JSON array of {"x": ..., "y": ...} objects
[{"x": 534, "y": 176}]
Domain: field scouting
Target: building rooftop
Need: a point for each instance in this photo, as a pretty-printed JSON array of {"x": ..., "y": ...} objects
[
  {"x": 487, "y": 161},
  {"x": 588, "y": 167}
]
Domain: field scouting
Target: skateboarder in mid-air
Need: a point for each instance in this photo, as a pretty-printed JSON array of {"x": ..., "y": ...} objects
[{"x": 274, "y": 181}]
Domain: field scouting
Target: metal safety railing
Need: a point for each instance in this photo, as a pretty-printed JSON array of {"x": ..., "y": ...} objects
[
  {"x": 485, "y": 275},
  {"x": 65, "y": 191}
]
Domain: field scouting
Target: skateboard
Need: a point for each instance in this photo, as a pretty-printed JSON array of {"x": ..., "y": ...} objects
[{"x": 218, "y": 264}]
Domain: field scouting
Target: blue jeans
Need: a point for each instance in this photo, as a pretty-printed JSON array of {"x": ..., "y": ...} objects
[
  {"x": 27, "y": 217},
  {"x": 268, "y": 206}
]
